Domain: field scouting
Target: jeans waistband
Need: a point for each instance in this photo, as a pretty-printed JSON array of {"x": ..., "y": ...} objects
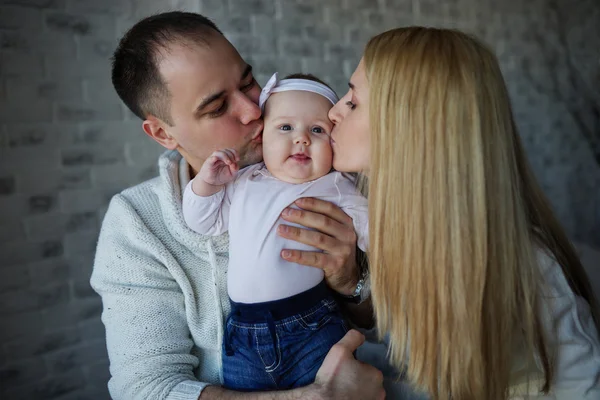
[{"x": 280, "y": 309}]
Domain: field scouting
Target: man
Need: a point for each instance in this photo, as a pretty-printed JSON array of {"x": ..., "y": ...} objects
[{"x": 163, "y": 286}]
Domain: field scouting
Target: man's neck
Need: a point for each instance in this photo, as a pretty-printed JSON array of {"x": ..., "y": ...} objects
[
  {"x": 194, "y": 164},
  {"x": 193, "y": 172}
]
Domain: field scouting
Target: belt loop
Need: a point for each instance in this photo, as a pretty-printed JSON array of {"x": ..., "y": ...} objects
[{"x": 271, "y": 325}]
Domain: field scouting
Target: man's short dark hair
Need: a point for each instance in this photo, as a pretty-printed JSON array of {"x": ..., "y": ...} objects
[{"x": 135, "y": 73}]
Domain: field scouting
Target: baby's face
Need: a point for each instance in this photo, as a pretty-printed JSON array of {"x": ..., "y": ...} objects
[{"x": 296, "y": 145}]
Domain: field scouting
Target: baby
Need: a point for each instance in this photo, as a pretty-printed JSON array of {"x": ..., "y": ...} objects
[{"x": 283, "y": 318}]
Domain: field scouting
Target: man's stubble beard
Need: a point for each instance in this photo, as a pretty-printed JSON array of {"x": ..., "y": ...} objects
[{"x": 252, "y": 155}]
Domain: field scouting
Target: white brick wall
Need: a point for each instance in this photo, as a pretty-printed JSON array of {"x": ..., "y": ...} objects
[{"x": 67, "y": 144}]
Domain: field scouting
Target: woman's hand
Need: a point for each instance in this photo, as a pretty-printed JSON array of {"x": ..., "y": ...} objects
[{"x": 334, "y": 235}]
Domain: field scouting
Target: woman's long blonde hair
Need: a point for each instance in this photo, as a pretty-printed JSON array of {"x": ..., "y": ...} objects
[{"x": 456, "y": 217}]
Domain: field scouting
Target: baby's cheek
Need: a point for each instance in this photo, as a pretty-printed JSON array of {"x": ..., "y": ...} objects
[{"x": 327, "y": 152}]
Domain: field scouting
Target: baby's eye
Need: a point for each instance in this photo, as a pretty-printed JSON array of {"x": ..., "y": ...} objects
[
  {"x": 318, "y": 129},
  {"x": 285, "y": 127}
]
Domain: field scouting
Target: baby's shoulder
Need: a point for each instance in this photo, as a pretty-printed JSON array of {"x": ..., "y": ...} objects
[
  {"x": 251, "y": 171},
  {"x": 344, "y": 181}
]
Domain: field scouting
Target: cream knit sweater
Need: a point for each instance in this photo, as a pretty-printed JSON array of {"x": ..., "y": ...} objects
[{"x": 163, "y": 288}]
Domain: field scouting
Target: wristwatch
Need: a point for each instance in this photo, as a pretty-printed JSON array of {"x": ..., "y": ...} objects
[{"x": 362, "y": 291}]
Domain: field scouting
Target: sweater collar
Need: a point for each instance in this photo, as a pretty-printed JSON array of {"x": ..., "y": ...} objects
[
  {"x": 184, "y": 174},
  {"x": 174, "y": 176}
]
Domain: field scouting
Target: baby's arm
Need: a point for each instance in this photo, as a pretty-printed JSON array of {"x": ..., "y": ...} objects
[
  {"x": 205, "y": 204},
  {"x": 218, "y": 169}
]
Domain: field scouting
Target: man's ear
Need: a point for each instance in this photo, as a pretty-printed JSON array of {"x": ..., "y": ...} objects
[{"x": 157, "y": 130}]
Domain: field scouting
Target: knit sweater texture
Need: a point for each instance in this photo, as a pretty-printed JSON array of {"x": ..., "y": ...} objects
[{"x": 164, "y": 293}]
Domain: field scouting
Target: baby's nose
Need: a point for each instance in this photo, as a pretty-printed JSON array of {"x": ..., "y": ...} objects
[{"x": 302, "y": 139}]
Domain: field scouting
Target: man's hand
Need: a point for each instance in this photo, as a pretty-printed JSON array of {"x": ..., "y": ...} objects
[
  {"x": 334, "y": 235},
  {"x": 343, "y": 377}
]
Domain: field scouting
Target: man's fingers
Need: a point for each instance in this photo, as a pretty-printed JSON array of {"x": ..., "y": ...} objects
[
  {"x": 351, "y": 341},
  {"x": 308, "y": 258},
  {"x": 321, "y": 223},
  {"x": 312, "y": 238},
  {"x": 325, "y": 208}
]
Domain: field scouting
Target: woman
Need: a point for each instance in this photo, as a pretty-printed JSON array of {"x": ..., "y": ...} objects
[{"x": 472, "y": 277}]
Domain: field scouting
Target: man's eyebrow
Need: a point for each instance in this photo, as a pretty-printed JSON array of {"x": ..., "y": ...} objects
[
  {"x": 209, "y": 100},
  {"x": 220, "y": 94},
  {"x": 247, "y": 71}
]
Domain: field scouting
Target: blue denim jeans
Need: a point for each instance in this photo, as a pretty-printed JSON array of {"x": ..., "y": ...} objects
[{"x": 280, "y": 344}]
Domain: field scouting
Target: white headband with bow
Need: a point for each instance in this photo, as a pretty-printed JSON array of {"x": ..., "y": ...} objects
[{"x": 274, "y": 85}]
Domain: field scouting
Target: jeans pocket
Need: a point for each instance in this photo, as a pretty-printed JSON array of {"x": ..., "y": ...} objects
[
  {"x": 315, "y": 318},
  {"x": 268, "y": 350}
]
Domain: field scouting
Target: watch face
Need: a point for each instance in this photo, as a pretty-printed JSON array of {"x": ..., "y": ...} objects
[
  {"x": 359, "y": 287},
  {"x": 365, "y": 288}
]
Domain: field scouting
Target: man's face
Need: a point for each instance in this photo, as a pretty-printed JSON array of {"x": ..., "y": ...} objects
[{"x": 213, "y": 101}]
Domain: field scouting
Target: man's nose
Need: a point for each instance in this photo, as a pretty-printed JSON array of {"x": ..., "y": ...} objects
[{"x": 248, "y": 110}]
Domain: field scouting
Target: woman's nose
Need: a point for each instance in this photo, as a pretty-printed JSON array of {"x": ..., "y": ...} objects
[{"x": 334, "y": 113}]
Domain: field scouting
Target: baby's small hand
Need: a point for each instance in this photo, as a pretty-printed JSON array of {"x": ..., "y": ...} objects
[{"x": 220, "y": 168}]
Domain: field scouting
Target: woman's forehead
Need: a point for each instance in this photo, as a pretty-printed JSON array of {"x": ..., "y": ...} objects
[{"x": 358, "y": 80}]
